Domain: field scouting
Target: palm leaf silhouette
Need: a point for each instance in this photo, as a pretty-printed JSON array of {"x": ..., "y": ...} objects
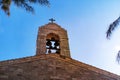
[
  {"x": 109, "y": 32},
  {"x": 25, "y": 4},
  {"x": 112, "y": 27}
]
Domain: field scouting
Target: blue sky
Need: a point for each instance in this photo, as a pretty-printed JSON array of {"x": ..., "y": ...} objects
[{"x": 85, "y": 20}]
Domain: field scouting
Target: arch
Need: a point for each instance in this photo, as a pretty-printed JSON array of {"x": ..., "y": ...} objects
[
  {"x": 52, "y": 43},
  {"x": 52, "y": 35}
]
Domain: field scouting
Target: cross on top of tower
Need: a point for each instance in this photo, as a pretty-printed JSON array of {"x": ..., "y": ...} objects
[{"x": 52, "y": 20}]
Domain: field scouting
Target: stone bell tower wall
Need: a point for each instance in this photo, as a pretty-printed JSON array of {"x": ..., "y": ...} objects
[{"x": 57, "y": 30}]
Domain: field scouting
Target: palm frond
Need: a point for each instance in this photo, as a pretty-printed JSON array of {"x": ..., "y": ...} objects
[
  {"x": 41, "y": 2},
  {"x": 25, "y": 4},
  {"x": 5, "y": 6},
  {"x": 112, "y": 27},
  {"x": 118, "y": 57}
]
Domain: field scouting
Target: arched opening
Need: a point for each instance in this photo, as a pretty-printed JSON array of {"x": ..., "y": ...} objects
[{"x": 52, "y": 43}]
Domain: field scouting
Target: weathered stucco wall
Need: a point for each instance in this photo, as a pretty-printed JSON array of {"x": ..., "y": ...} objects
[{"x": 51, "y": 67}]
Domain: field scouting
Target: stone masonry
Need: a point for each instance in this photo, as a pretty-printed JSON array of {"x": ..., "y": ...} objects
[
  {"x": 48, "y": 65},
  {"x": 51, "y": 67},
  {"x": 54, "y": 29}
]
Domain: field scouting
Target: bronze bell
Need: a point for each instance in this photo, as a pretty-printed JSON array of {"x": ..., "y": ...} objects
[
  {"x": 48, "y": 43},
  {"x": 58, "y": 51},
  {"x": 56, "y": 43},
  {"x": 55, "y": 47},
  {"x": 50, "y": 47},
  {"x": 49, "y": 51}
]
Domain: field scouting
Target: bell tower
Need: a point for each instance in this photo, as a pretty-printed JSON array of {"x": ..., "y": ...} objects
[{"x": 52, "y": 39}]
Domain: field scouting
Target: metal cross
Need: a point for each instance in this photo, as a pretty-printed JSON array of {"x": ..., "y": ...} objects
[{"x": 52, "y": 20}]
